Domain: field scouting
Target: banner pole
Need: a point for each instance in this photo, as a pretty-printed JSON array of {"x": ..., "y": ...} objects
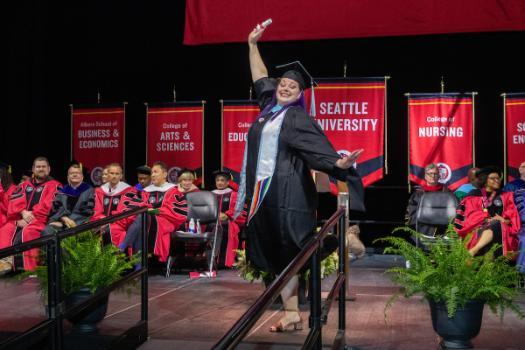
[
  {"x": 174, "y": 94},
  {"x": 124, "y": 137},
  {"x": 345, "y": 67},
  {"x": 222, "y": 131},
  {"x": 146, "y": 121},
  {"x": 98, "y": 96},
  {"x": 251, "y": 93},
  {"x": 473, "y": 131},
  {"x": 442, "y": 85},
  {"x": 505, "y": 162},
  {"x": 71, "y": 133},
  {"x": 202, "y": 147},
  {"x": 386, "y": 126},
  {"x": 408, "y": 140}
]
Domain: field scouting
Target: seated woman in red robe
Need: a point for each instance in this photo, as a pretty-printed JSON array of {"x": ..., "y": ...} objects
[
  {"x": 7, "y": 187},
  {"x": 490, "y": 215},
  {"x": 179, "y": 205},
  {"x": 227, "y": 199}
]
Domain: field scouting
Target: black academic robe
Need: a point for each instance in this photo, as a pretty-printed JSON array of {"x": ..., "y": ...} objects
[
  {"x": 65, "y": 201},
  {"x": 84, "y": 207},
  {"x": 286, "y": 219},
  {"x": 77, "y": 205}
]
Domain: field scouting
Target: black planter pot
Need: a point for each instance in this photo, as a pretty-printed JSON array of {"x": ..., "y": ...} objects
[
  {"x": 459, "y": 330},
  {"x": 86, "y": 321}
]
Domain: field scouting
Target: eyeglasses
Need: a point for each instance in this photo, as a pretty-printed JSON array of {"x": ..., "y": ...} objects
[
  {"x": 494, "y": 178},
  {"x": 433, "y": 174}
]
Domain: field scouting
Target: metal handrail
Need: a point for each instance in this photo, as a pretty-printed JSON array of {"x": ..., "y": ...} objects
[
  {"x": 239, "y": 330},
  {"x": 42, "y": 241},
  {"x": 55, "y": 308}
]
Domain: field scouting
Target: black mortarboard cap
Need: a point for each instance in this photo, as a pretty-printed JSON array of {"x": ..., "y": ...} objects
[
  {"x": 144, "y": 169},
  {"x": 296, "y": 71},
  {"x": 224, "y": 173}
]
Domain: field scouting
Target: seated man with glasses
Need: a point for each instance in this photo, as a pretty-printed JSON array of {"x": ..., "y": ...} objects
[
  {"x": 490, "y": 215},
  {"x": 432, "y": 185}
]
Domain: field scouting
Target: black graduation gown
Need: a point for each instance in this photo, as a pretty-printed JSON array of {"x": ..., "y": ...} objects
[{"x": 286, "y": 218}]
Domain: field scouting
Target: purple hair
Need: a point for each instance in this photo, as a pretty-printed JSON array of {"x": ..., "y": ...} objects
[{"x": 299, "y": 102}]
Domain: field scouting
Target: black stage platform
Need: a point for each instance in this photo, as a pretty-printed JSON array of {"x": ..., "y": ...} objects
[{"x": 194, "y": 314}]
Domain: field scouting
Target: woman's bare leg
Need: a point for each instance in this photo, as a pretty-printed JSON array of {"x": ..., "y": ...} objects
[
  {"x": 484, "y": 238},
  {"x": 290, "y": 304}
]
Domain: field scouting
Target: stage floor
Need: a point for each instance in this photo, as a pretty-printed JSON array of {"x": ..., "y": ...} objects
[{"x": 194, "y": 314}]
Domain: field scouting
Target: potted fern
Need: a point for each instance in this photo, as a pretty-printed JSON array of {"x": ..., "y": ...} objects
[
  {"x": 456, "y": 285},
  {"x": 87, "y": 267}
]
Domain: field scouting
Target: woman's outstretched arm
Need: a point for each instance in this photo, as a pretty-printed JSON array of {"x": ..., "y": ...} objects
[{"x": 257, "y": 67}]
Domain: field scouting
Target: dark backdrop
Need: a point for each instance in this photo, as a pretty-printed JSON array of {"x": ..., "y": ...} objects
[{"x": 58, "y": 55}]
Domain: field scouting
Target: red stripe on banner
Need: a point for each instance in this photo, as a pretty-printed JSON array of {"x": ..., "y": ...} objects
[
  {"x": 98, "y": 138},
  {"x": 236, "y": 120},
  {"x": 375, "y": 176},
  {"x": 352, "y": 115},
  {"x": 515, "y": 138},
  {"x": 175, "y": 137},
  {"x": 440, "y": 132},
  {"x": 212, "y": 21}
]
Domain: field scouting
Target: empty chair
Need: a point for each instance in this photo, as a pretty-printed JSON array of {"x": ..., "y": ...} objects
[
  {"x": 202, "y": 206},
  {"x": 435, "y": 211}
]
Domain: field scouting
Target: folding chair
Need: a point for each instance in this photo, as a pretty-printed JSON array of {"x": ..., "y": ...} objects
[
  {"x": 435, "y": 209},
  {"x": 202, "y": 206}
]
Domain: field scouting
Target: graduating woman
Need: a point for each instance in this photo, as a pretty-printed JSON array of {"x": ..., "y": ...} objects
[
  {"x": 284, "y": 144},
  {"x": 489, "y": 214}
]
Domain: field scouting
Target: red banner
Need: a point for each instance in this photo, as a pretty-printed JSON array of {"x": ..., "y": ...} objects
[
  {"x": 175, "y": 136},
  {"x": 237, "y": 116},
  {"x": 515, "y": 133},
  {"x": 351, "y": 112},
  {"x": 441, "y": 132},
  {"x": 98, "y": 137},
  {"x": 212, "y": 21}
]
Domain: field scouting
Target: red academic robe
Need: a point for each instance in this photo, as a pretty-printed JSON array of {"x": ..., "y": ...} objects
[
  {"x": 4, "y": 202},
  {"x": 176, "y": 202},
  {"x": 113, "y": 202},
  {"x": 471, "y": 216},
  {"x": 34, "y": 197},
  {"x": 227, "y": 200},
  {"x": 164, "y": 223}
]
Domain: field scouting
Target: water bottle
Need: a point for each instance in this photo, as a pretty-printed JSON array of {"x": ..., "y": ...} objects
[
  {"x": 191, "y": 226},
  {"x": 198, "y": 227}
]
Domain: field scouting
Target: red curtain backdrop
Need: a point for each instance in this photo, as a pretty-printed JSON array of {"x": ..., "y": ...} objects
[
  {"x": 175, "y": 136},
  {"x": 237, "y": 116},
  {"x": 351, "y": 112},
  {"x": 97, "y": 134},
  {"x": 515, "y": 133},
  {"x": 212, "y": 21},
  {"x": 440, "y": 132}
]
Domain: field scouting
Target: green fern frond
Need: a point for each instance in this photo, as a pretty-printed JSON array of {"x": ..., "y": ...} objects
[
  {"x": 86, "y": 262},
  {"x": 448, "y": 273}
]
